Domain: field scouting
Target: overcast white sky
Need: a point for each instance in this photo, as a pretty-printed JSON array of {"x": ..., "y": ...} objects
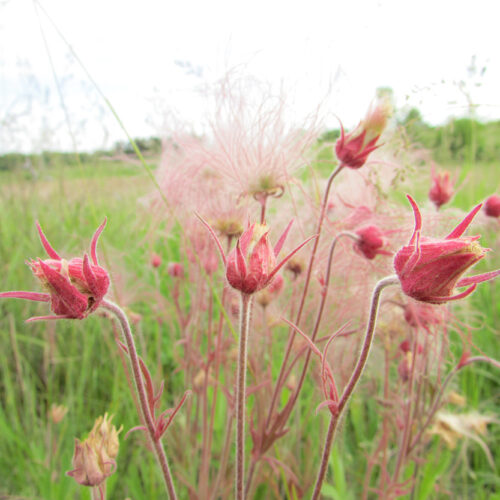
[{"x": 150, "y": 56}]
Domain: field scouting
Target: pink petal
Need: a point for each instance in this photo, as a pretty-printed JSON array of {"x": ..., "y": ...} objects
[
  {"x": 246, "y": 238},
  {"x": 478, "y": 278},
  {"x": 214, "y": 236},
  {"x": 240, "y": 261},
  {"x": 288, "y": 257},
  {"x": 45, "y": 242},
  {"x": 39, "y": 297},
  {"x": 93, "y": 243},
  {"x": 73, "y": 299},
  {"x": 281, "y": 241},
  {"x": 441, "y": 300},
  {"x": 48, "y": 318},
  {"x": 460, "y": 229},
  {"x": 89, "y": 274},
  {"x": 418, "y": 220}
]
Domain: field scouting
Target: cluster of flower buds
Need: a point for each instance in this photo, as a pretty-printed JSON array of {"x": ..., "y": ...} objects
[
  {"x": 94, "y": 458},
  {"x": 75, "y": 288}
]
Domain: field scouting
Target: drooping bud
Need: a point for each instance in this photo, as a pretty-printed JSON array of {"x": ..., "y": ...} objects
[
  {"x": 371, "y": 242},
  {"x": 442, "y": 188},
  {"x": 429, "y": 269},
  {"x": 354, "y": 148},
  {"x": 175, "y": 270},
  {"x": 492, "y": 206},
  {"x": 155, "y": 260},
  {"x": 75, "y": 288}
]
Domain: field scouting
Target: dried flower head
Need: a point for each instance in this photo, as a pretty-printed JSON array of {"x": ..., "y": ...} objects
[
  {"x": 94, "y": 458},
  {"x": 57, "y": 413}
]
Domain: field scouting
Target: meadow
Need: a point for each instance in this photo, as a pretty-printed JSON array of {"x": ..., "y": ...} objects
[{"x": 177, "y": 317}]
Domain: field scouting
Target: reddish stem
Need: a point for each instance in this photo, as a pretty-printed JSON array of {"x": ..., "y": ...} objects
[
  {"x": 351, "y": 385},
  {"x": 141, "y": 391},
  {"x": 245, "y": 308}
]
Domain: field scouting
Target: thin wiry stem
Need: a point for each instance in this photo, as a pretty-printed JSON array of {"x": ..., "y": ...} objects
[
  {"x": 351, "y": 385},
  {"x": 141, "y": 391},
  {"x": 245, "y": 308}
]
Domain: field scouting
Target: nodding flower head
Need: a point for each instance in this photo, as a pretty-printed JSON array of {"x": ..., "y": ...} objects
[
  {"x": 442, "y": 188},
  {"x": 354, "y": 148},
  {"x": 492, "y": 206},
  {"x": 429, "y": 269},
  {"x": 74, "y": 288},
  {"x": 252, "y": 264},
  {"x": 371, "y": 242}
]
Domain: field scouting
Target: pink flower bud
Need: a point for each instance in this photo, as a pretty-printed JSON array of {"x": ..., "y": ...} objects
[
  {"x": 492, "y": 206},
  {"x": 405, "y": 346},
  {"x": 75, "y": 288},
  {"x": 441, "y": 190},
  {"x": 250, "y": 273},
  {"x": 354, "y": 148},
  {"x": 429, "y": 269},
  {"x": 371, "y": 242},
  {"x": 175, "y": 269},
  {"x": 155, "y": 260}
]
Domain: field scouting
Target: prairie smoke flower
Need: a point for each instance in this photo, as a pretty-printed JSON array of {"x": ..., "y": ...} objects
[
  {"x": 492, "y": 206},
  {"x": 429, "y": 269},
  {"x": 354, "y": 148},
  {"x": 251, "y": 265},
  {"x": 371, "y": 242},
  {"x": 75, "y": 288},
  {"x": 441, "y": 190}
]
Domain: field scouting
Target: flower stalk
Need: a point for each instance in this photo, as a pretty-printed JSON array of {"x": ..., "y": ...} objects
[
  {"x": 351, "y": 385},
  {"x": 148, "y": 418},
  {"x": 245, "y": 310}
]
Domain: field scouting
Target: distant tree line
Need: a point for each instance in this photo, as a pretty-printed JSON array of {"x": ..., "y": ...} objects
[
  {"x": 460, "y": 139},
  {"x": 150, "y": 146}
]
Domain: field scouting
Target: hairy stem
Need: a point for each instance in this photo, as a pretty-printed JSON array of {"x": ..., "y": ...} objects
[
  {"x": 351, "y": 385},
  {"x": 245, "y": 307},
  {"x": 141, "y": 391}
]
